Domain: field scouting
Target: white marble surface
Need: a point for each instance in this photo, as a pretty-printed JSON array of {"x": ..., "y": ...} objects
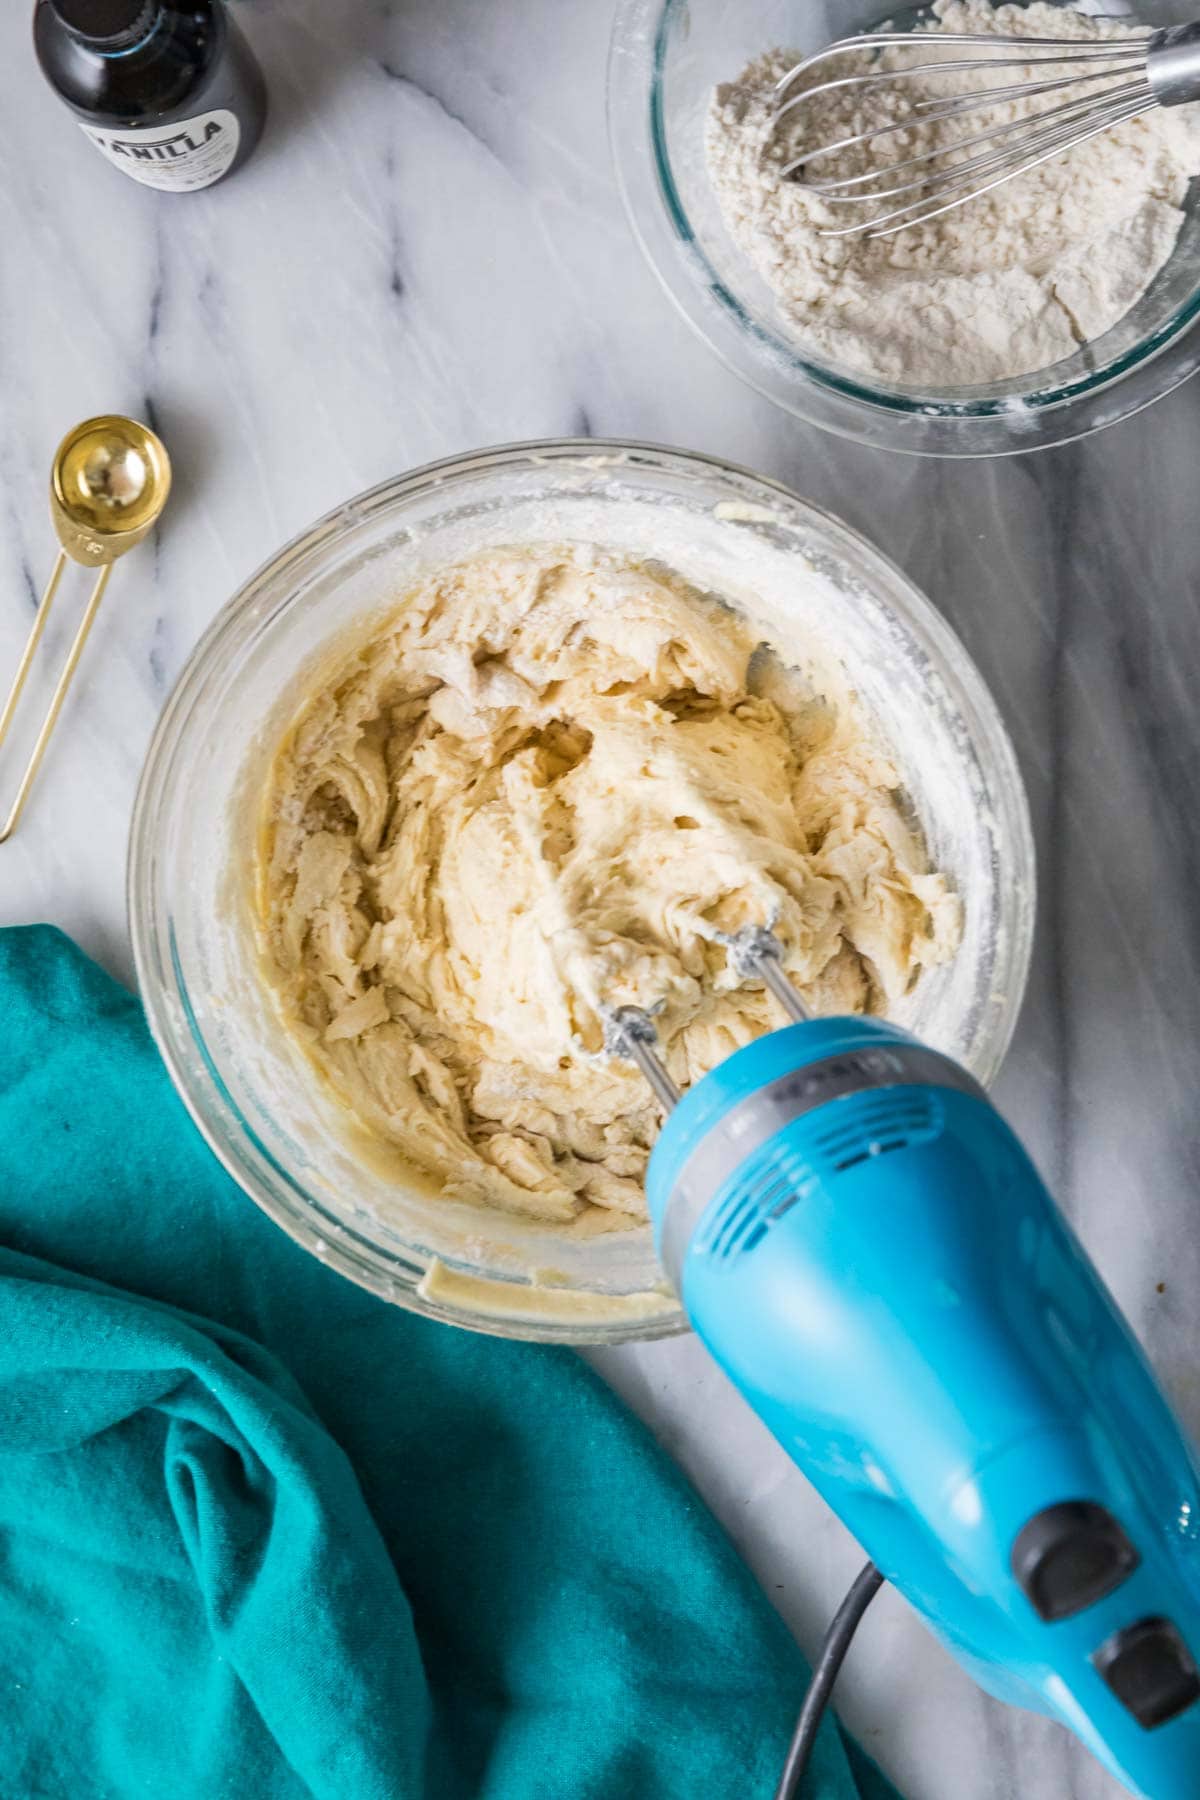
[{"x": 427, "y": 255}]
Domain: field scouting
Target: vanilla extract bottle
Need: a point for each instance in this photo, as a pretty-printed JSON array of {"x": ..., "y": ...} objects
[{"x": 167, "y": 90}]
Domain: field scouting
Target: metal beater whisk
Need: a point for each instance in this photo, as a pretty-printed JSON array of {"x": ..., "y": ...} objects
[
  {"x": 1139, "y": 72},
  {"x": 755, "y": 954}
]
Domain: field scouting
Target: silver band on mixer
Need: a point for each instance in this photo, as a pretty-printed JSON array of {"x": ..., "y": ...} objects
[
  {"x": 749, "y": 1124},
  {"x": 756, "y": 953}
]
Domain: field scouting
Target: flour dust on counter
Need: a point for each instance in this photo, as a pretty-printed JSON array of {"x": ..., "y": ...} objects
[{"x": 553, "y": 780}]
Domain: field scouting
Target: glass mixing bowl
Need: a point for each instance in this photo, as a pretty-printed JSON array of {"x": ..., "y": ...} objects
[
  {"x": 254, "y": 1095},
  {"x": 666, "y": 58}
]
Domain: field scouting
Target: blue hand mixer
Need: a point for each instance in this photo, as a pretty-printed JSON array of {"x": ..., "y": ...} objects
[{"x": 863, "y": 1245}]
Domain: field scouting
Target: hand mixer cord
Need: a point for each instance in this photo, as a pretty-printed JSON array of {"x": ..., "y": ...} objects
[{"x": 829, "y": 1661}]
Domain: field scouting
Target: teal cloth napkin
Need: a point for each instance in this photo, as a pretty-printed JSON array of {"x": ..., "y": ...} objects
[{"x": 263, "y": 1536}]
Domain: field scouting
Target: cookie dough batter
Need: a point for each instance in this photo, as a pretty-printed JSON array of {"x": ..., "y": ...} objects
[{"x": 554, "y": 777}]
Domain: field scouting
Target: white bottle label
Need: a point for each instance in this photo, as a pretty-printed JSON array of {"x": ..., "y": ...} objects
[{"x": 179, "y": 158}]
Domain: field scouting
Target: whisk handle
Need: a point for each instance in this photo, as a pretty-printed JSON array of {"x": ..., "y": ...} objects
[{"x": 1173, "y": 64}]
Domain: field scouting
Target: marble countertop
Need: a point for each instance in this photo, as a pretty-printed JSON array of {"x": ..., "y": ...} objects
[{"x": 428, "y": 255}]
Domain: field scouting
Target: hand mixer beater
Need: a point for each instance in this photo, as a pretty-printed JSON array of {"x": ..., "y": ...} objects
[{"x": 863, "y": 1245}]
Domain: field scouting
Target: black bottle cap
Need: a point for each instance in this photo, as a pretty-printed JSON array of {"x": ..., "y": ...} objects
[{"x": 107, "y": 21}]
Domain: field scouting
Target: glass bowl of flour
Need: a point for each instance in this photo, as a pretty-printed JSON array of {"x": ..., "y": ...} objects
[
  {"x": 1059, "y": 303},
  {"x": 803, "y": 621}
]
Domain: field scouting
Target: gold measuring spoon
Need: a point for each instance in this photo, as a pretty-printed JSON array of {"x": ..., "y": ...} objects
[{"x": 108, "y": 486}]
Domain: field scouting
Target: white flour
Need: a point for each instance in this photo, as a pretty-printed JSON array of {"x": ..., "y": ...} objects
[{"x": 1002, "y": 287}]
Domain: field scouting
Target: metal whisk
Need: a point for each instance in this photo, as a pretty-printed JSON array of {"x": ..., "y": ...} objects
[{"x": 1137, "y": 71}]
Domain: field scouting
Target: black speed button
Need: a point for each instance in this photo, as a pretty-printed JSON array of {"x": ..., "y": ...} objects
[
  {"x": 1070, "y": 1556},
  {"x": 1150, "y": 1670}
]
